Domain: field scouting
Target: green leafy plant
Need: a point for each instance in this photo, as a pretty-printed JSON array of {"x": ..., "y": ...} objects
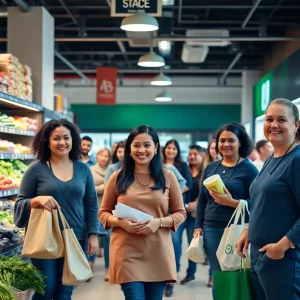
[
  {"x": 21, "y": 274},
  {"x": 5, "y": 292}
]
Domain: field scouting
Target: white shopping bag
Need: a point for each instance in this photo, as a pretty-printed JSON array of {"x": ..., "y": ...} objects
[
  {"x": 195, "y": 251},
  {"x": 228, "y": 258}
]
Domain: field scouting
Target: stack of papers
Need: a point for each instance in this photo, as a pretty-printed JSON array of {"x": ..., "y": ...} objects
[{"x": 123, "y": 211}]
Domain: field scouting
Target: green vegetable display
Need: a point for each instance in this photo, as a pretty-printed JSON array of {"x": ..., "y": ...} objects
[
  {"x": 5, "y": 292},
  {"x": 21, "y": 275},
  {"x": 12, "y": 168}
]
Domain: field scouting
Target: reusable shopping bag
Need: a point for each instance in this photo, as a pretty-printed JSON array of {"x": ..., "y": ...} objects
[
  {"x": 195, "y": 251},
  {"x": 228, "y": 258},
  {"x": 76, "y": 267},
  {"x": 234, "y": 285},
  {"x": 43, "y": 239}
]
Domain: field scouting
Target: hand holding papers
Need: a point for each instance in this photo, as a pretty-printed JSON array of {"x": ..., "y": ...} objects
[{"x": 123, "y": 211}]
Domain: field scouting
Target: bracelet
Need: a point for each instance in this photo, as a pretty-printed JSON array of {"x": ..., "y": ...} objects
[{"x": 160, "y": 223}]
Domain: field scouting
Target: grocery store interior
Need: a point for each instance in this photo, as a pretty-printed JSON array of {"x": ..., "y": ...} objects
[{"x": 184, "y": 67}]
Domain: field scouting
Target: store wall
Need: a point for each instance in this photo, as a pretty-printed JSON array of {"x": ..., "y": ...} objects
[{"x": 162, "y": 117}]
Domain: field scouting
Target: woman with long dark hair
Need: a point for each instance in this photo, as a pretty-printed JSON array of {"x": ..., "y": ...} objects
[
  {"x": 172, "y": 156},
  {"x": 59, "y": 180},
  {"x": 141, "y": 253},
  {"x": 237, "y": 172}
]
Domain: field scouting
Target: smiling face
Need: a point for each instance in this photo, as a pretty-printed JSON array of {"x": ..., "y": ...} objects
[
  {"x": 86, "y": 147},
  {"x": 171, "y": 151},
  {"x": 60, "y": 141},
  {"x": 143, "y": 149},
  {"x": 195, "y": 158},
  {"x": 279, "y": 125},
  {"x": 103, "y": 158},
  {"x": 228, "y": 144}
]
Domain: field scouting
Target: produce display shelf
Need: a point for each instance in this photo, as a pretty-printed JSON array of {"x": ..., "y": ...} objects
[
  {"x": 12, "y": 130},
  {"x": 17, "y": 250},
  {"x": 4, "y": 155},
  {"x": 7, "y": 193},
  {"x": 13, "y": 102}
]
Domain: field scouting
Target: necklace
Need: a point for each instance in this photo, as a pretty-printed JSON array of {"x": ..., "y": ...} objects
[
  {"x": 58, "y": 181},
  {"x": 145, "y": 185},
  {"x": 224, "y": 170},
  {"x": 272, "y": 156}
]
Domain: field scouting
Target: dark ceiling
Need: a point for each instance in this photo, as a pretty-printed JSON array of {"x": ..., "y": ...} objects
[{"x": 87, "y": 36}]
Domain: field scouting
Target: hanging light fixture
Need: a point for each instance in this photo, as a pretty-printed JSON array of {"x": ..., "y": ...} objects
[
  {"x": 140, "y": 21},
  {"x": 161, "y": 80},
  {"x": 151, "y": 59},
  {"x": 164, "y": 97}
]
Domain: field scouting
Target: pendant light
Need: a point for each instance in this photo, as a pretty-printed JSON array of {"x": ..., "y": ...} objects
[
  {"x": 164, "y": 97},
  {"x": 140, "y": 21},
  {"x": 161, "y": 80},
  {"x": 151, "y": 59}
]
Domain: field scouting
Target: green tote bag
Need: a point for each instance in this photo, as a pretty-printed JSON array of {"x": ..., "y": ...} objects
[{"x": 233, "y": 285}]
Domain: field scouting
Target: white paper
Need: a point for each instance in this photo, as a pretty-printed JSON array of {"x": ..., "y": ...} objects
[{"x": 123, "y": 211}]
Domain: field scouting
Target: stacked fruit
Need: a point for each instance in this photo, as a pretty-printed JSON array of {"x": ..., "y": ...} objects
[
  {"x": 18, "y": 122},
  {"x": 9, "y": 147},
  {"x": 11, "y": 173}
]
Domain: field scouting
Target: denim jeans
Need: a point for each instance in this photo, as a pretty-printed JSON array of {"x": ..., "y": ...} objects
[
  {"x": 106, "y": 248},
  {"x": 53, "y": 270},
  {"x": 212, "y": 237},
  {"x": 274, "y": 279},
  {"x": 143, "y": 290},
  {"x": 189, "y": 225}
]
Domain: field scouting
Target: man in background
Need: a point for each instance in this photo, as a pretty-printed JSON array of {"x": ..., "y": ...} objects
[
  {"x": 86, "y": 147},
  {"x": 264, "y": 149}
]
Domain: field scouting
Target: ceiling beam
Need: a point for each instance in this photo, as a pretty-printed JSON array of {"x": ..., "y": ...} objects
[
  {"x": 251, "y": 12},
  {"x": 154, "y": 71},
  {"x": 230, "y": 67},
  {"x": 68, "y": 12},
  {"x": 24, "y": 7},
  {"x": 72, "y": 67}
]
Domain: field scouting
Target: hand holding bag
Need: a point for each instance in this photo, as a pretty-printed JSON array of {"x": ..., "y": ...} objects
[
  {"x": 228, "y": 258},
  {"x": 43, "y": 239},
  {"x": 76, "y": 267},
  {"x": 195, "y": 251}
]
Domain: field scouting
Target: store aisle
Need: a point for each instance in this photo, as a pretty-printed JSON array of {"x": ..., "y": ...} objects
[{"x": 97, "y": 289}]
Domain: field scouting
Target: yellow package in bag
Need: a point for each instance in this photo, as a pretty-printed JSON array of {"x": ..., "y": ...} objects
[
  {"x": 43, "y": 239},
  {"x": 76, "y": 267}
]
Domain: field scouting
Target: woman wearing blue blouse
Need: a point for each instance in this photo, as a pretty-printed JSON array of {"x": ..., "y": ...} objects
[
  {"x": 274, "y": 225},
  {"x": 59, "y": 180},
  {"x": 237, "y": 172}
]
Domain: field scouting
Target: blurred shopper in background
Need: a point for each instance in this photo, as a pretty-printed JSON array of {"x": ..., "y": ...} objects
[
  {"x": 265, "y": 150},
  {"x": 86, "y": 147},
  {"x": 211, "y": 154}
]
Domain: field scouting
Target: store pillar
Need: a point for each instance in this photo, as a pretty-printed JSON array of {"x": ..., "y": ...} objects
[
  {"x": 249, "y": 78},
  {"x": 31, "y": 39}
]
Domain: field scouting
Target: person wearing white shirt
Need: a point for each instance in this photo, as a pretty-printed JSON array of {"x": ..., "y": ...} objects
[{"x": 264, "y": 149}]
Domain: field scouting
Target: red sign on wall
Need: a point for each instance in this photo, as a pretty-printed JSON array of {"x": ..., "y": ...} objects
[{"x": 106, "y": 85}]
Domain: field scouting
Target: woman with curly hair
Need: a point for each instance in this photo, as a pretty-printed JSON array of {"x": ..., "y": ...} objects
[{"x": 59, "y": 180}]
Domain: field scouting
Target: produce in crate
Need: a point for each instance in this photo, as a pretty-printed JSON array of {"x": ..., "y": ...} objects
[{"x": 5, "y": 292}]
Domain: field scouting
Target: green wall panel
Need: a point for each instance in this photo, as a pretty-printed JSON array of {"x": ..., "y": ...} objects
[{"x": 162, "y": 117}]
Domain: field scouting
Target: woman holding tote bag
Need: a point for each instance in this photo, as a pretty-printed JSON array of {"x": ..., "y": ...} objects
[
  {"x": 59, "y": 180},
  {"x": 274, "y": 225},
  {"x": 237, "y": 172}
]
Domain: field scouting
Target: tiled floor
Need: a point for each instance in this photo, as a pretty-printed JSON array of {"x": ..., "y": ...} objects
[{"x": 98, "y": 289}]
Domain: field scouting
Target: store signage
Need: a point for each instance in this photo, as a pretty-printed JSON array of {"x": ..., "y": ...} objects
[
  {"x": 265, "y": 95},
  {"x": 123, "y": 8},
  {"x": 106, "y": 85}
]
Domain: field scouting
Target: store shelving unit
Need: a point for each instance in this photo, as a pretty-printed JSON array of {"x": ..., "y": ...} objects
[{"x": 13, "y": 106}]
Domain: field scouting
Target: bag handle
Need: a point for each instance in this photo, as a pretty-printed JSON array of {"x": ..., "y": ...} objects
[
  {"x": 240, "y": 212},
  {"x": 63, "y": 220}
]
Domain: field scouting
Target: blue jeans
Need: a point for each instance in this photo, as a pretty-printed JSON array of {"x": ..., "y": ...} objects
[
  {"x": 275, "y": 279},
  {"x": 212, "y": 237},
  {"x": 189, "y": 225},
  {"x": 106, "y": 248},
  {"x": 143, "y": 290},
  {"x": 53, "y": 270}
]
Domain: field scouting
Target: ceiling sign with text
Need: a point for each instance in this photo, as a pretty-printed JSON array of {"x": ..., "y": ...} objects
[{"x": 123, "y": 8}]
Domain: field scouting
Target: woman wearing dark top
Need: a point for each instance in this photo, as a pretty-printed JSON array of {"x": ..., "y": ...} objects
[
  {"x": 59, "y": 180},
  {"x": 274, "y": 225},
  {"x": 237, "y": 172},
  {"x": 172, "y": 156}
]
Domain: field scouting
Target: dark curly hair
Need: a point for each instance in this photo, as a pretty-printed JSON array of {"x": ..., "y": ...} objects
[
  {"x": 40, "y": 146},
  {"x": 244, "y": 139}
]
